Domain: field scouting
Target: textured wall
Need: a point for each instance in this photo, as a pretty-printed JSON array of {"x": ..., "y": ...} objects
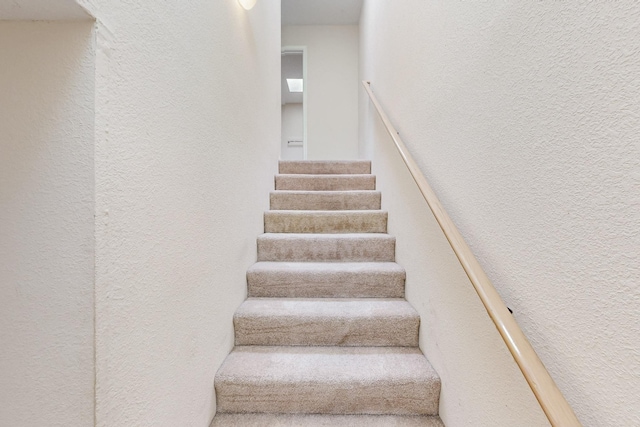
[
  {"x": 332, "y": 88},
  {"x": 525, "y": 118},
  {"x": 46, "y": 224},
  {"x": 188, "y": 137},
  {"x": 40, "y": 10}
]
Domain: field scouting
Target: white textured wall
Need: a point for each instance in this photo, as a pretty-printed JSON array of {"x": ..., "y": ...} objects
[
  {"x": 332, "y": 88},
  {"x": 188, "y": 138},
  {"x": 292, "y": 129},
  {"x": 524, "y": 116},
  {"x": 46, "y": 224},
  {"x": 40, "y": 10}
]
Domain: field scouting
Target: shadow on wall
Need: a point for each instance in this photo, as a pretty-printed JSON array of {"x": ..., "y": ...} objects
[{"x": 47, "y": 223}]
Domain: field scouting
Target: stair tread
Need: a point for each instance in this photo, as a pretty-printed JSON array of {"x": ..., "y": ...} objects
[
  {"x": 325, "y": 221},
  {"x": 330, "y": 247},
  {"x": 324, "y": 166},
  {"x": 360, "y": 365},
  {"x": 324, "y": 176},
  {"x": 332, "y": 193},
  {"x": 326, "y": 279},
  {"x": 327, "y": 236},
  {"x": 327, "y": 321},
  {"x": 334, "y": 308},
  {"x": 324, "y": 182},
  {"x": 321, "y": 212},
  {"x": 328, "y": 267},
  {"x": 338, "y": 380},
  {"x": 335, "y": 200},
  {"x": 322, "y": 420}
]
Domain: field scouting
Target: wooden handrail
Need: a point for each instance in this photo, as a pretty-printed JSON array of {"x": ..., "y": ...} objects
[{"x": 553, "y": 403}]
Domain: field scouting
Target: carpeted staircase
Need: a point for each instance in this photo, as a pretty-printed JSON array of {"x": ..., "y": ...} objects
[{"x": 326, "y": 337}]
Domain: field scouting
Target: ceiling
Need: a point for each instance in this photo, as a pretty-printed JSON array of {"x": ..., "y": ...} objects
[
  {"x": 291, "y": 69},
  {"x": 321, "y": 12},
  {"x": 41, "y": 10}
]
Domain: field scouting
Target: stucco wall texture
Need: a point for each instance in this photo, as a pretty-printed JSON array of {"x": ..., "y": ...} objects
[
  {"x": 524, "y": 117},
  {"x": 42, "y": 10},
  {"x": 46, "y": 223},
  {"x": 187, "y": 142}
]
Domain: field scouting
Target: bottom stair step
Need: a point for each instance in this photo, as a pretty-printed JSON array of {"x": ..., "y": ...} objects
[
  {"x": 327, "y": 380},
  {"x": 315, "y": 420}
]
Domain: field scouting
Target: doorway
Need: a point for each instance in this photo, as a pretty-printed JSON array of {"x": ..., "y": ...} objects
[{"x": 294, "y": 103}]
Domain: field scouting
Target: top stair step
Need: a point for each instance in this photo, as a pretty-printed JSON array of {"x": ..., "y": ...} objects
[{"x": 316, "y": 167}]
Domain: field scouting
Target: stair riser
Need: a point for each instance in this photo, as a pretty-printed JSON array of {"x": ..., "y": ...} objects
[
  {"x": 324, "y": 167},
  {"x": 298, "y": 289},
  {"x": 323, "y": 331},
  {"x": 325, "y": 182},
  {"x": 401, "y": 398},
  {"x": 323, "y": 250},
  {"x": 328, "y": 201},
  {"x": 325, "y": 285},
  {"x": 329, "y": 222}
]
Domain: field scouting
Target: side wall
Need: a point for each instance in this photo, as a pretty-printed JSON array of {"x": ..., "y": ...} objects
[
  {"x": 524, "y": 118},
  {"x": 42, "y": 10},
  {"x": 188, "y": 138},
  {"x": 332, "y": 86},
  {"x": 46, "y": 224}
]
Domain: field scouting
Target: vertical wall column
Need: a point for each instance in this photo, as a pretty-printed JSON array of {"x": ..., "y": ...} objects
[{"x": 47, "y": 223}]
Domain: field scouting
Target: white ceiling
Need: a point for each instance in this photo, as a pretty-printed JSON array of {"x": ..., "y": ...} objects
[
  {"x": 291, "y": 69},
  {"x": 41, "y": 10},
  {"x": 321, "y": 12}
]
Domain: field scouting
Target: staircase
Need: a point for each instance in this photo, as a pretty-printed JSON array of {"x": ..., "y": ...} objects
[{"x": 326, "y": 337}]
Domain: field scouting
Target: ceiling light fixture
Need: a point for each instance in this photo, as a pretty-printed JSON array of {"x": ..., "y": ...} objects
[
  {"x": 295, "y": 85},
  {"x": 247, "y": 4}
]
